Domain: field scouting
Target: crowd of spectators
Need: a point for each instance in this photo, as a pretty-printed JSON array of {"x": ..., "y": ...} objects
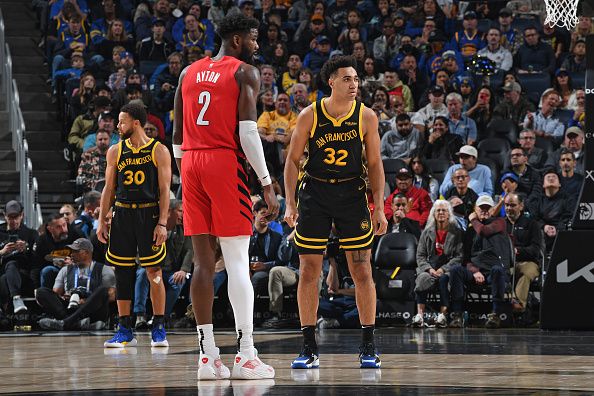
[{"x": 481, "y": 111}]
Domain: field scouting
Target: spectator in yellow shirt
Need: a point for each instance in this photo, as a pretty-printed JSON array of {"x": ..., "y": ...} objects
[{"x": 275, "y": 128}]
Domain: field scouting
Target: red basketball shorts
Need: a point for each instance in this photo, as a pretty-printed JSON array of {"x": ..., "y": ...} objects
[{"x": 216, "y": 199}]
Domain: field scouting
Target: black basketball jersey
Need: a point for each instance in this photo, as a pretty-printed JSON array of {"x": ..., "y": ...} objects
[
  {"x": 336, "y": 146},
  {"x": 137, "y": 177}
]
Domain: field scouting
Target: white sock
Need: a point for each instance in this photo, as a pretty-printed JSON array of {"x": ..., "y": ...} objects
[
  {"x": 240, "y": 289},
  {"x": 245, "y": 340},
  {"x": 206, "y": 340}
]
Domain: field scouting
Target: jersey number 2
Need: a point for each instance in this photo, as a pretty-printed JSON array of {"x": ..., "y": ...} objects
[
  {"x": 335, "y": 157},
  {"x": 204, "y": 100}
]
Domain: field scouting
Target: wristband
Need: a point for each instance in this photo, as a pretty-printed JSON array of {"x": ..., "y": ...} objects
[
  {"x": 162, "y": 225},
  {"x": 266, "y": 180},
  {"x": 177, "y": 151}
]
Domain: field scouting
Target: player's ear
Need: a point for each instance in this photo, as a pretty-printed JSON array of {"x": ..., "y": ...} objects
[{"x": 236, "y": 40}]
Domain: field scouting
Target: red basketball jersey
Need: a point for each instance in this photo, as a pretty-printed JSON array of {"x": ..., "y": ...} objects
[{"x": 210, "y": 95}]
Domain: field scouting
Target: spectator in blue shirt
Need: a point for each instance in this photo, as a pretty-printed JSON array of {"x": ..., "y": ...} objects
[
  {"x": 177, "y": 31},
  {"x": 543, "y": 122},
  {"x": 319, "y": 55},
  {"x": 459, "y": 123},
  {"x": 480, "y": 175}
]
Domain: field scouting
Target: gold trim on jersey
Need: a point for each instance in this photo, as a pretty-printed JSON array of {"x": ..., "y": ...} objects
[
  {"x": 337, "y": 122},
  {"x": 137, "y": 150},
  {"x": 120, "y": 257},
  {"x": 119, "y": 152},
  {"x": 361, "y": 133},
  {"x": 153, "y": 154},
  {"x": 162, "y": 253},
  {"x": 315, "y": 120},
  {"x": 349, "y": 247}
]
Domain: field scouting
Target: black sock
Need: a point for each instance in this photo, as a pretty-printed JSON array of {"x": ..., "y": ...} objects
[
  {"x": 126, "y": 321},
  {"x": 158, "y": 319},
  {"x": 367, "y": 334},
  {"x": 309, "y": 337}
]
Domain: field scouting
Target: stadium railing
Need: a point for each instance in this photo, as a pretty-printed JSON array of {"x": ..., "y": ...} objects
[{"x": 28, "y": 187}]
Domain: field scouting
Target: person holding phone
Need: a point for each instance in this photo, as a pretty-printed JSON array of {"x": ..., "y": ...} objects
[{"x": 16, "y": 242}]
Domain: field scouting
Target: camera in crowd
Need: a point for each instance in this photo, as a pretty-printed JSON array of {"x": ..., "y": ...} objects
[{"x": 76, "y": 295}]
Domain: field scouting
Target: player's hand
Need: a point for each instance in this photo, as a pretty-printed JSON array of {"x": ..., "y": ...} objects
[
  {"x": 102, "y": 232},
  {"x": 159, "y": 235},
  {"x": 271, "y": 202},
  {"x": 291, "y": 214},
  {"x": 380, "y": 224},
  {"x": 479, "y": 278}
]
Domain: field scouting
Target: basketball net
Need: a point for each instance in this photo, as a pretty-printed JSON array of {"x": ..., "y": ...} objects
[{"x": 561, "y": 13}]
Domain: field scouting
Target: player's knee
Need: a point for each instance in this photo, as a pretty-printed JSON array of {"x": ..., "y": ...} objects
[
  {"x": 308, "y": 274},
  {"x": 153, "y": 272},
  {"x": 125, "y": 279}
]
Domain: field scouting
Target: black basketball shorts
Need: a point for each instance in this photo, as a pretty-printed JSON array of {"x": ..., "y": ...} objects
[
  {"x": 345, "y": 204},
  {"x": 131, "y": 236}
]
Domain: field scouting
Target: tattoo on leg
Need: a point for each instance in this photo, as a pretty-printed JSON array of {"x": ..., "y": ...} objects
[{"x": 360, "y": 256}]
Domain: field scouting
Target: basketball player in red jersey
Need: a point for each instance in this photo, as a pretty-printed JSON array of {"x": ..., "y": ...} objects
[{"x": 215, "y": 130}]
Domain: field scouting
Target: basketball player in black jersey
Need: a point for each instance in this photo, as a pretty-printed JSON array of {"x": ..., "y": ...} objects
[
  {"x": 336, "y": 131},
  {"x": 137, "y": 178}
]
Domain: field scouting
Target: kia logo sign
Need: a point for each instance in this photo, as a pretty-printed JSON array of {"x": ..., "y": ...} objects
[{"x": 564, "y": 277}]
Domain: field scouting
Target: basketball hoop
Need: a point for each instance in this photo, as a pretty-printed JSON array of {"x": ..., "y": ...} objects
[{"x": 561, "y": 13}]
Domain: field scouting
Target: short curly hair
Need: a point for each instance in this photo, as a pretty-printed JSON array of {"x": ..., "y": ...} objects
[
  {"x": 338, "y": 62},
  {"x": 236, "y": 23}
]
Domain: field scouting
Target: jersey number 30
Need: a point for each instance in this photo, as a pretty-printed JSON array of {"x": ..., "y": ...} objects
[
  {"x": 334, "y": 157},
  {"x": 204, "y": 100},
  {"x": 134, "y": 177}
]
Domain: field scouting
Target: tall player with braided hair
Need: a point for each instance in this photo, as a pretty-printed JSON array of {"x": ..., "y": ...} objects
[
  {"x": 337, "y": 131},
  {"x": 215, "y": 131}
]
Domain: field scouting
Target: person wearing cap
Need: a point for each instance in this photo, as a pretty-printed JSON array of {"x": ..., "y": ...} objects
[
  {"x": 420, "y": 201},
  {"x": 553, "y": 210},
  {"x": 460, "y": 124},
  {"x": 304, "y": 39},
  {"x": 156, "y": 48},
  {"x": 469, "y": 40},
  {"x": 106, "y": 123},
  {"x": 16, "y": 244},
  {"x": 480, "y": 175},
  {"x": 563, "y": 84},
  {"x": 496, "y": 52},
  {"x": 487, "y": 261},
  {"x": 386, "y": 46},
  {"x": 439, "y": 250},
  {"x": 528, "y": 178},
  {"x": 93, "y": 162},
  {"x": 316, "y": 58},
  {"x": 430, "y": 62},
  {"x": 514, "y": 106},
  {"x": 423, "y": 119},
  {"x": 509, "y": 184},
  {"x": 576, "y": 62},
  {"x": 80, "y": 297},
  {"x": 449, "y": 64},
  {"x": 571, "y": 181},
  {"x": 574, "y": 142},
  {"x": 77, "y": 66},
  {"x": 84, "y": 123},
  {"x": 512, "y": 39},
  {"x": 543, "y": 122},
  {"x": 534, "y": 56},
  {"x": 50, "y": 252}
]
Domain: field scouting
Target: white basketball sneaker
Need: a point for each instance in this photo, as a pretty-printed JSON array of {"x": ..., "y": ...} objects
[
  {"x": 212, "y": 368},
  {"x": 251, "y": 369}
]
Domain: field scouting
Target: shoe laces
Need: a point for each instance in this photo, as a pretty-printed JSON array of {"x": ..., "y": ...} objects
[
  {"x": 307, "y": 351},
  {"x": 367, "y": 349}
]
